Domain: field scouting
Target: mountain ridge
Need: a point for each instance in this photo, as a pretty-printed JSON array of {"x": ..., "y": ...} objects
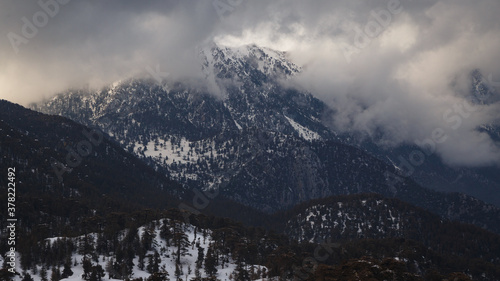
[{"x": 259, "y": 128}]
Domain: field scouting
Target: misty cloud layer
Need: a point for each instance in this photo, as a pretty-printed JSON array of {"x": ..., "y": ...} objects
[{"x": 397, "y": 69}]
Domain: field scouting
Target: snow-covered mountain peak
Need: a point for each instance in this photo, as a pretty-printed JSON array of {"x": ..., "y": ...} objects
[
  {"x": 482, "y": 92},
  {"x": 246, "y": 61}
]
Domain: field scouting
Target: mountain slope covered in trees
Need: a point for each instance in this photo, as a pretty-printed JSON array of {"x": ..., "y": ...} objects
[
  {"x": 108, "y": 210},
  {"x": 260, "y": 143}
]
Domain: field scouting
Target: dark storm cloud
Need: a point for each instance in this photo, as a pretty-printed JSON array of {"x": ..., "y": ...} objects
[{"x": 396, "y": 67}]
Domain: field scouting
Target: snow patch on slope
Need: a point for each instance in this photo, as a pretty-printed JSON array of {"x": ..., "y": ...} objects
[
  {"x": 304, "y": 132},
  {"x": 167, "y": 256}
]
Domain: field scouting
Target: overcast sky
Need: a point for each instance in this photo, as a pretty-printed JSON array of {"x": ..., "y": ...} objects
[{"x": 400, "y": 68}]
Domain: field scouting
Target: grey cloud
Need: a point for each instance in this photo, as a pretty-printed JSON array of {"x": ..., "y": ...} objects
[{"x": 400, "y": 84}]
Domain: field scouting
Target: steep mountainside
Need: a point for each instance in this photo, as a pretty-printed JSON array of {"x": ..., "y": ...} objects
[
  {"x": 65, "y": 170},
  {"x": 94, "y": 221},
  {"x": 260, "y": 143},
  {"x": 372, "y": 217}
]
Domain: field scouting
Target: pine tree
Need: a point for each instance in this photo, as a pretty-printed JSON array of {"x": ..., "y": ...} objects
[
  {"x": 180, "y": 240},
  {"x": 97, "y": 273},
  {"x": 165, "y": 233},
  {"x": 157, "y": 261},
  {"x": 110, "y": 268},
  {"x": 242, "y": 273},
  {"x": 178, "y": 272},
  {"x": 147, "y": 239},
  {"x": 199, "y": 261},
  {"x": 140, "y": 263},
  {"x": 43, "y": 273},
  {"x": 254, "y": 272},
  {"x": 56, "y": 274},
  {"x": 164, "y": 272},
  {"x": 27, "y": 277},
  {"x": 201, "y": 256},
  {"x": 67, "y": 272},
  {"x": 87, "y": 268},
  {"x": 158, "y": 276},
  {"x": 150, "y": 266},
  {"x": 101, "y": 244},
  {"x": 153, "y": 263},
  {"x": 129, "y": 260},
  {"x": 124, "y": 270},
  {"x": 86, "y": 245},
  {"x": 210, "y": 262}
]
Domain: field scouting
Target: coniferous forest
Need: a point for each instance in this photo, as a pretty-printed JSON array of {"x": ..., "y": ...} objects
[{"x": 233, "y": 140}]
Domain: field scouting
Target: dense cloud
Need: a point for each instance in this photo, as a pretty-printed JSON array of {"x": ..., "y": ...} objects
[{"x": 398, "y": 69}]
